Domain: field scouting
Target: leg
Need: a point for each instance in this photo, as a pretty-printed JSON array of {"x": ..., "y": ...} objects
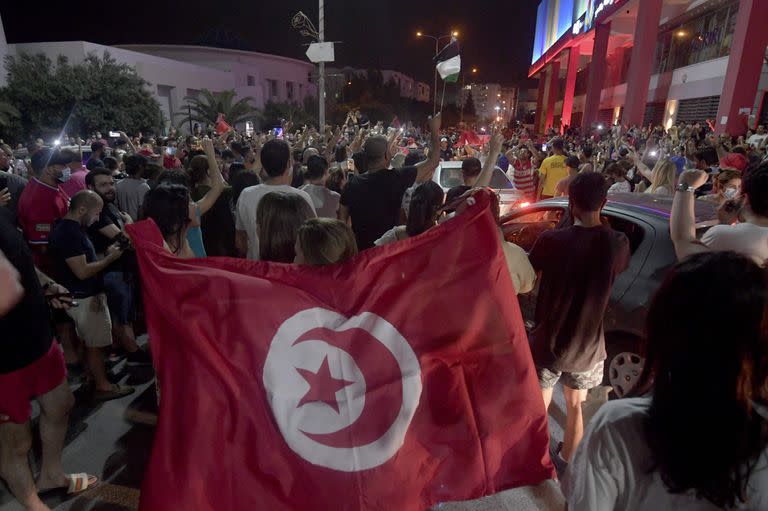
[
  {"x": 15, "y": 443},
  {"x": 547, "y": 394},
  {"x": 65, "y": 332},
  {"x": 54, "y": 419},
  {"x": 125, "y": 337},
  {"x": 574, "y": 425},
  {"x": 94, "y": 360}
]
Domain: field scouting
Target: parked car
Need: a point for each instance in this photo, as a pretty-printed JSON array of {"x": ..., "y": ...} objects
[
  {"x": 448, "y": 175},
  {"x": 644, "y": 219}
]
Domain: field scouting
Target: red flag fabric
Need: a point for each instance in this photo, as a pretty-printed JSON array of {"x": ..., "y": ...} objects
[
  {"x": 395, "y": 381},
  {"x": 469, "y": 138},
  {"x": 221, "y": 125}
]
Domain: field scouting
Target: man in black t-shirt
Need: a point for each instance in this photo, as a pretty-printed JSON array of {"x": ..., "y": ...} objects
[
  {"x": 578, "y": 266},
  {"x": 446, "y": 153},
  {"x": 98, "y": 153},
  {"x": 31, "y": 365},
  {"x": 372, "y": 200},
  {"x": 80, "y": 270},
  {"x": 118, "y": 279}
]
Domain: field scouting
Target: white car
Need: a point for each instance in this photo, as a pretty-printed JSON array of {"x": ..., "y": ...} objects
[{"x": 448, "y": 175}]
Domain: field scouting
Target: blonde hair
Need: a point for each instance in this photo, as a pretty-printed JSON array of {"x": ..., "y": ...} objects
[
  {"x": 326, "y": 241},
  {"x": 664, "y": 174}
]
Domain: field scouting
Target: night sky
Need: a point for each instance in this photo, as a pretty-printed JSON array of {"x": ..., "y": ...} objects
[{"x": 496, "y": 36}]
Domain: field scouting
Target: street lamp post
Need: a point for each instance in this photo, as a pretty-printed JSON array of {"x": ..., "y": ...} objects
[{"x": 437, "y": 50}]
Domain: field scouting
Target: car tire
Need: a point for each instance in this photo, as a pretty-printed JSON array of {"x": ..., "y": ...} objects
[{"x": 623, "y": 366}]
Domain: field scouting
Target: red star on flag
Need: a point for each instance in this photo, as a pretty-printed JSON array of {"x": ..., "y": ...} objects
[{"x": 322, "y": 386}]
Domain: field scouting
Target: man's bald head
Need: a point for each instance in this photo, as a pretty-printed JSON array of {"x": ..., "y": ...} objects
[{"x": 85, "y": 199}]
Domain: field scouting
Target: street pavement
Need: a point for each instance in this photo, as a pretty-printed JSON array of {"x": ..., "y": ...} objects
[{"x": 117, "y": 438}]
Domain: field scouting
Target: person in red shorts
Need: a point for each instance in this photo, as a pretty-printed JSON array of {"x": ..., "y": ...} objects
[
  {"x": 32, "y": 366},
  {"x": 42, "y": 203}
]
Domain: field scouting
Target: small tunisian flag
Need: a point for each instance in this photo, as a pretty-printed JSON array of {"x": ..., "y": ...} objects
[
  {"x": 395, "y": 381},
  {"x": 221, "y": 125}
]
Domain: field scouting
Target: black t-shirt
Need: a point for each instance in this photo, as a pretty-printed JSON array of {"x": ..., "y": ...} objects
[
  {"x": 110, "y": 215},
  {"x": 25, "y": 332},
  {"x": 578, "y": 266},
  {"x": 446, "y": 154},
  {"x": 374, "y": 200},
  {"x": 68, "y": 239}
]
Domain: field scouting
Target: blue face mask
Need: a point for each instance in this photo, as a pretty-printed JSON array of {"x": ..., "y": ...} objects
[{"x": 65, "y": 175}]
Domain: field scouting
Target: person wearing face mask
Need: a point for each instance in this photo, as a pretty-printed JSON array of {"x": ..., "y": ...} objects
[
  {"x": 42, "y": 203},
  {"x": 727, "y": 185},
  {"x": 73, "y": 178},
  {"x": 81, "y": 273}
]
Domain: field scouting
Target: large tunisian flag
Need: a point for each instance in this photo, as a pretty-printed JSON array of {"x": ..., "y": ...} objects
[{"x": 395, "y": 381}]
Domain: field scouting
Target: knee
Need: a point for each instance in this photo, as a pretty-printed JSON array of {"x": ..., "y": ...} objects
[
  {"x": 61, "y": 407},
  {"x": 573, "y": 403},
  {"x": 16, "y": 446}
]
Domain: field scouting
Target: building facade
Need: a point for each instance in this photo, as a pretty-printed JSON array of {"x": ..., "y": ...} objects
[
  {"x": 410, "y": 88},
  {"x": 492, "y": 101},
  {"x": 639, "y": 62},
  {"x": 175, "y": 72}
]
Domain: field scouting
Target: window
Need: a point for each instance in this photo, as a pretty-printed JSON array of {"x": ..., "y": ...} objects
[
  {"x": 525, "y": 229},
  {"x": 272, "y": 88},
  {"x": 450, "y": 177},
  {"x": 289, "y": 90},
  {"x": 251, "y": 81},
  {"x": 499, "y": 180}
]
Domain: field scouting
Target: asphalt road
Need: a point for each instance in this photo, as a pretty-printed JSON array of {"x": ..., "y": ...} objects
[{"x": 117, "y": 438}]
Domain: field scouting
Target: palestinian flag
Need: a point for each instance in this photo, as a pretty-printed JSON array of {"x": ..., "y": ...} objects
[{"x": 448, "y": 62}]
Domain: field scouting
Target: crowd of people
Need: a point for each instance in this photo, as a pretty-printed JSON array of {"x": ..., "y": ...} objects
[{"x": 70, "y": 304}]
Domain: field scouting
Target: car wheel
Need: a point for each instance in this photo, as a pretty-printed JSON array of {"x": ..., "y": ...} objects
[{"x": 623, "y": 367}]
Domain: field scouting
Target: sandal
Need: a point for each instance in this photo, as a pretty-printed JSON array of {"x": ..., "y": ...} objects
[
  {"x": 116, "y": 392},
  {"x": 78, "y": 483}
]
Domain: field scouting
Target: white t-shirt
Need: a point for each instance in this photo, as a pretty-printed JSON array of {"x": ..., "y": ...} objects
[
  {"x": 747, "y": 239},
  {"x": 620, "y": 187},
  {"x": 326, "y": 201},
  {"x": 247, "y": 204},
  {"x": 611, "y": 468},
  {"x": 661, "y": 190}
]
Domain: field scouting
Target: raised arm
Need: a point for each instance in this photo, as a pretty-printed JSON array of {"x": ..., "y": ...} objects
[
  {"x": 644, "y": 170},
  {"x": 682, "y": 223},
  {"x": 484, "y": 179},
  {"x": 217, "y": 181},
  {"x": 427, "y": 167},
  {"x": 125, "y": 137}
]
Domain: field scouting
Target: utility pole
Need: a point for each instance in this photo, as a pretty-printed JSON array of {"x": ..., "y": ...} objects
[{"x": 321, "y": 81}]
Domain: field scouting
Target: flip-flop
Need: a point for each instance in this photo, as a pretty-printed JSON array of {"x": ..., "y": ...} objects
[
  {"x": 117, "y": 392},
  {"x": 78, "y": 483}
]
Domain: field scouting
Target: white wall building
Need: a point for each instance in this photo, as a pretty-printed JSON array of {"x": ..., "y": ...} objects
[
  {"x": 488, "y": 96},
  {"x": 173, "y": 72}
]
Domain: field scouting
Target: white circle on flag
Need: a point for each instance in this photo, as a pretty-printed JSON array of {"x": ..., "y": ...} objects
[{"x": 285, "y": 387}]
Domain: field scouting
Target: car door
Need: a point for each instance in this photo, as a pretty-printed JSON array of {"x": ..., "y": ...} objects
[{"x": 523, "y": 229}]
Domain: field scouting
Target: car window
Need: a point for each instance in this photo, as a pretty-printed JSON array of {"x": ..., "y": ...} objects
[
  {"x": 633, "y": 231},
  {"x": 525, "y": 229},
  {"x": 499, "y": 180},
  {"x": 450, "y": 177}
]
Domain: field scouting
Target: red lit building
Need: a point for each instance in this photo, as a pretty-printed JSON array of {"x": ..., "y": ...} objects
[{"x": 639, "y": 62}]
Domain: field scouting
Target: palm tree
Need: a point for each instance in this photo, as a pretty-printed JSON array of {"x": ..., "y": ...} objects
[
  {"x": 206, "y": 107},
  {"x": 8, "y": 113}
]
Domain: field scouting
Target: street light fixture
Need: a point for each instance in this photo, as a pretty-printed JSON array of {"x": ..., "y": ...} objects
[{"x": 437, "y": 40}]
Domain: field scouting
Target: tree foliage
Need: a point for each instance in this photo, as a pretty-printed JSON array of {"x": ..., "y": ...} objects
[
  {"x": 299, "y": 115},
  {"x": 98, "y": 94},
  {"x": 207, "y": 105}
]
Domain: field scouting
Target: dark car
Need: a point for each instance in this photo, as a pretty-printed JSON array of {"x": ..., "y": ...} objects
[{"x": 644, "y": 219}]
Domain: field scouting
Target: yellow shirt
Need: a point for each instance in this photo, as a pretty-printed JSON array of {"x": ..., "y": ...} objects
[{"x": 552, "y": 170}]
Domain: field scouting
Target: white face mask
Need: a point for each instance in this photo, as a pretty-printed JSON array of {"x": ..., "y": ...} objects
[
  {"x": 65, "y": 175},
  {"x": 730, "y": 193}
]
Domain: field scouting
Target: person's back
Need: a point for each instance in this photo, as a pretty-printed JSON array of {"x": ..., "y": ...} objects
[
  {"x": 130, "y": 191},
  {"x": 578, "y": 266},
  {"x": 553, "y": 170}
]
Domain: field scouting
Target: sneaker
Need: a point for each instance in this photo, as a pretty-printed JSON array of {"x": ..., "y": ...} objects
[{"x": 139, "y": 358}]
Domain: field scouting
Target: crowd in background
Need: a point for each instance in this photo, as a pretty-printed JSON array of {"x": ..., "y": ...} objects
[{"x": 318, "y": 197}]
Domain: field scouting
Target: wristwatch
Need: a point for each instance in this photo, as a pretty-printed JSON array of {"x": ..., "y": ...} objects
[{"x": 685, "y": 187}]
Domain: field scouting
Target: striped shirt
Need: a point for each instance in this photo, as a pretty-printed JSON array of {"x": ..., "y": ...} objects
[{"x": 523, "y": 179}]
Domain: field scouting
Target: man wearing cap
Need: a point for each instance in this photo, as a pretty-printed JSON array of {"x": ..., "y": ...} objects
[
  {"x": 446, "y": 153},
  {"x": 98, "y": 153},
  {"x": 43, "y": 202}
]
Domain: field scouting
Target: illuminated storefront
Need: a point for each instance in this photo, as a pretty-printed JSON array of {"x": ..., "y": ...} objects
[{"x": 636, "y": 61}]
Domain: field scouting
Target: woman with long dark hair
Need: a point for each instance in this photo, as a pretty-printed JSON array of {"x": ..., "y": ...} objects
[
  {"x": 218, "y": 224},
  {"x": 171, "y": 208},
  {"x": 699, "y": 440},
  {"x": 423, "y": 212}
]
